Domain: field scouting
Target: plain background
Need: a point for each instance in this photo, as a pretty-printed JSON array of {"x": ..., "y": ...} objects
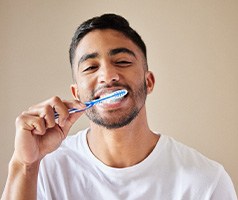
[{"x": 192, "y": 50}]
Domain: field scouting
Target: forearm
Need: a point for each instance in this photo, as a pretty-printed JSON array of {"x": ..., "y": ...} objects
[{"x": 21, "y": 182}]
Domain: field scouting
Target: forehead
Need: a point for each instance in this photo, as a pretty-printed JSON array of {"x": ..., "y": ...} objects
[{"x": 101, "y": 41}]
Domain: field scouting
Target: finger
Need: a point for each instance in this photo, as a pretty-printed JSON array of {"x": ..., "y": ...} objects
[
  {"x": 46, "y": 112},
  {"x": 74, "y": 116},
  {"x": 70, "y": 121},
  {"x": 48, "y": 115},
  {"x": 58, "y": 106},
  {"x": 61, "y": 109},
  {"x": 33, "y": 124}
]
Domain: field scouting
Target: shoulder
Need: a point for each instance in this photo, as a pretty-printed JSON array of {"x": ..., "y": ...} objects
[
  {"x": 193, "y": 165},
  {"x": 192, "y": 168},
  {"x": 186, "y": 155}
]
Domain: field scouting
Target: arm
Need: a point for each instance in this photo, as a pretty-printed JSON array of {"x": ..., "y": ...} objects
[
  {"x": 21, "y": 181},
  {"x": 37, "y": 134}
]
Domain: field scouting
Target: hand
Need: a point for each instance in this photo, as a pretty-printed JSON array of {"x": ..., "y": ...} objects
[{"x": 37, "y": 132}]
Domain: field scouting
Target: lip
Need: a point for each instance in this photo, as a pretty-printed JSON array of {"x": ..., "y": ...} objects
[{"x": 112, "y": 105}]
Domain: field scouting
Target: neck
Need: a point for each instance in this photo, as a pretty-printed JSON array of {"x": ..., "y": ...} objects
[{"x": 122, "y": 147}]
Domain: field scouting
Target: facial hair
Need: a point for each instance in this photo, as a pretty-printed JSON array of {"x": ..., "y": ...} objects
[{"x": 126, "y": 117}]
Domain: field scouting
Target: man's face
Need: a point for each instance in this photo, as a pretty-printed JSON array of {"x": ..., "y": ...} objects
[{"x": 106, "y": 61}]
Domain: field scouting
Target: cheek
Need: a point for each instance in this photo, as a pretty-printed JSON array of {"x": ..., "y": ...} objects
[
  {"x": 137, "y": 78},
  {"x": 84, "y": 82},
  {"x": 85, "y": 89}
]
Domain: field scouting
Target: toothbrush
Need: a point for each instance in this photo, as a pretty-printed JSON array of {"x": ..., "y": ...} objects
[{"x": 114, "y": 95}]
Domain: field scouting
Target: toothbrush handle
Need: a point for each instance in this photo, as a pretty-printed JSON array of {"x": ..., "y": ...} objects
[{"x": 74, "y": 110}]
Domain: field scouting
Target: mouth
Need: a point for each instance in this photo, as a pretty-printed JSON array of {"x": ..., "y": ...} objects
[
  {"x": 105, "y": 92},
  {"x": 113, "y": 100}
]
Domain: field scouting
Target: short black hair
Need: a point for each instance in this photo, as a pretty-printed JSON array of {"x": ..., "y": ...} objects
[{"x": 106, "y": 21}]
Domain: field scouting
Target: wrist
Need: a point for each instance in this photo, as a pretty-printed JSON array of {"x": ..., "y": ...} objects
[{"x": 17, "y": 166}]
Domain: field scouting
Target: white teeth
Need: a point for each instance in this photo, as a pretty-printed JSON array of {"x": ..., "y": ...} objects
[
  {"x": 103, "y": 95},
  {"x": 112, "y": 100},
  {"x": 111, "y": 97}
]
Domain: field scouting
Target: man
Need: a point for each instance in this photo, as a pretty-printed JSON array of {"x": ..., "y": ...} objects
[{"x": 118, "y": 156}]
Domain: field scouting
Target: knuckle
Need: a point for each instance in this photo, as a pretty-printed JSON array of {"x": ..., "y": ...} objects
[
  {"x": 23, "y": 113},
  {"x": 19, "y": 119},
  {"x": 55, "y": 99},
  {"x": 47, "y": 109}
]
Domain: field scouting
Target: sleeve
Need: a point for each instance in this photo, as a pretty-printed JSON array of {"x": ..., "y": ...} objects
[{"x": 224, "y": 188}]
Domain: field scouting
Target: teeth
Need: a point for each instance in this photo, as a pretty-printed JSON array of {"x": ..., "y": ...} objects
[
  {"x": 103, "y": 95},
  {"x": 112, "y": 97},
  {"x": 112, "y": 100}
]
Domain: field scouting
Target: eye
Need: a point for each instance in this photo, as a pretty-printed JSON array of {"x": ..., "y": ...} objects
[
  {"x": 123, "y": 63},
  {"x": 90, "y": 68}
]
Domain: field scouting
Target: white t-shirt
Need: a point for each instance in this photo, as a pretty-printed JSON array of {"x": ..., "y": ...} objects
[{"x": 172, "y": 171}]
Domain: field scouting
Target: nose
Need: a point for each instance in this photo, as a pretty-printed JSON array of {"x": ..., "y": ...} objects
[{"x": 108, "y": 74}]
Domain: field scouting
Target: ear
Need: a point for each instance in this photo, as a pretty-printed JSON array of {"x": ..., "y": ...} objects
[
  {"x": 150, "y": 81},
  {"x": 74, "y": 91}
]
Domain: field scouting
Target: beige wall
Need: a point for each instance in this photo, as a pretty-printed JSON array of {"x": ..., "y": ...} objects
[{"x": 192, "y": 49}]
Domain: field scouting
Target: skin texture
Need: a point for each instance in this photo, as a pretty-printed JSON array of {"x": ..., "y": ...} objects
[{"x": 105, "y": 61}]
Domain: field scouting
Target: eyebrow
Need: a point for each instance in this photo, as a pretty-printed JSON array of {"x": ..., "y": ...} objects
[
  {"x": 113, "y": 52},
  {"x": 87, "y": 56}
]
